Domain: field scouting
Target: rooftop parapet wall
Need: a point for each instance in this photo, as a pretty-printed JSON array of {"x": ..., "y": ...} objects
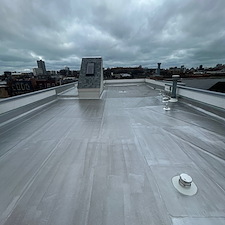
[
  {"x": 212, "y": 98},
  {"x": 17, "y": 105},
  {"x": 23, "y": 103}
]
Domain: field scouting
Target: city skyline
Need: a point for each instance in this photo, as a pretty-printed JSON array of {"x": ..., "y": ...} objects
[
  {"x": 124, "y": 33},
  {"x": 41, "y": 68}
]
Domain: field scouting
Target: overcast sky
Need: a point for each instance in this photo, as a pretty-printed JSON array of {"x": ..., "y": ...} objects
[{"x": 123, "y": 32}]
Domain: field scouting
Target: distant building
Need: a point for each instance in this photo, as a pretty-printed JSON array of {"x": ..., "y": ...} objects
[
  {"x": 67, "y": 69},
  {"x": 158, "y": 69},
  {"x": 41, "y": 65},
  {"x": 7, "y": 73},
  {"x": 183, "y": 69},
  {"x": 38, "y": 71},
  {"x": 16, "y": 74},
  {"x": 175, "y": 70},
  {"x": 200, "y": 67},
  {"x": 53, "y": 72}
]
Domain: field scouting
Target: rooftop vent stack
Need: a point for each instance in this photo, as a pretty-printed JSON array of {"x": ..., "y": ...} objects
[
  {"x": 174, "y": 88},
  {"x": 158, "y": 69}
]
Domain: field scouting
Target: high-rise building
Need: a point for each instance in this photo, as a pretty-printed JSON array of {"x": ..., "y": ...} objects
[{"x": 41, "y": 65}]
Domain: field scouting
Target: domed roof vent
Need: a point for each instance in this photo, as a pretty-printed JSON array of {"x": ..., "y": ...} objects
[{"x": 184, "y": 184}]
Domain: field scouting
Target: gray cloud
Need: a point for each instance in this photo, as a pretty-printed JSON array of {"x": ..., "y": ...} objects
[{"x": 123, "y": 32}]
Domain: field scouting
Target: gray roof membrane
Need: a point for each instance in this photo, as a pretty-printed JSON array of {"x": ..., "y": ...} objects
[{"x": 111, "y": 161}]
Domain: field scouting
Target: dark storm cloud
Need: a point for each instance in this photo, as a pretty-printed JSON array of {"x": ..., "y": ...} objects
[{"x": 123, "y": 32}]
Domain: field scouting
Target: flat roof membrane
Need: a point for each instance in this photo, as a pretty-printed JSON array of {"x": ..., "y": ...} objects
[{"x": 111, "y": 161}]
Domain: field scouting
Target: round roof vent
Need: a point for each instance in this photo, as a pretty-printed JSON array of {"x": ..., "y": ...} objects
[{"x": 184, "y": 184}]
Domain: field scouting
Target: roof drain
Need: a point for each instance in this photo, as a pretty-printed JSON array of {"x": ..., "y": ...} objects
[{"x": 184, "y": 184}]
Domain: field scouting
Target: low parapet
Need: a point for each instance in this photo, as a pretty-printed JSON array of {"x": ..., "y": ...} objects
[{"x": 12, "y": 107}]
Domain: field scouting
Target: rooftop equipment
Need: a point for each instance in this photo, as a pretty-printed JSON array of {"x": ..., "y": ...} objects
[
  {"x": 184, "y": 184},
  {"x": 174, "y": 88}
]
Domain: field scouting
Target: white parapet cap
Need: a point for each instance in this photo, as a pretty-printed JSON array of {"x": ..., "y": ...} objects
[{"x": 175, "y": 76}]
